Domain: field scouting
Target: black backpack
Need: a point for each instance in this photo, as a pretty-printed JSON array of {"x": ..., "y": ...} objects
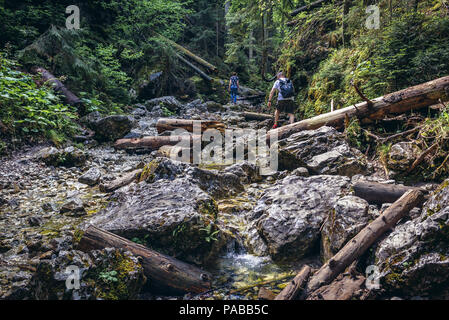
[
  {"x": 286, "y": 88},
  {"x": 234, "y": 80}
]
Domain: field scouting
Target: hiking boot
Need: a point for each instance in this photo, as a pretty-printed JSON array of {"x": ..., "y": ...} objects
[{"x": 275, "y": 126}]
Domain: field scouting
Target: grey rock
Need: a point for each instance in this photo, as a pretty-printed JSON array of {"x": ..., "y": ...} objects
[
  {"x": 349, "y": 217},
  {"x": 112, "y": 127},
  {"x": 402, "y": 155},
  {"x": 321, "y": 151},
  {"x": 73, "y": 206},
  {"x": 96, "y": 269},
  {"x": 288, "y": 215},
  {"x": 169, "y": 102},
  {"x": 173, "y": 215},
  {"x": 68, "y": 157},
  {"x": 301, "y": 172},
  {"x": 91, "y": 177},
  {"x": 414, "y": 258}
]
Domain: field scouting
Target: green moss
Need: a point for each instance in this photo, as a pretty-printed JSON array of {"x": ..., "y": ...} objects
[
  {"x": 119, "y": 289},
  {"x": 77, "y": 235},
  {"x": 147, "y": 173}
]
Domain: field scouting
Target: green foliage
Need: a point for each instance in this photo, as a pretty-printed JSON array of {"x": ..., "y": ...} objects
[
  {"x": 28, "y": 110},
  {"x": 210, "y": 233},
  {"x": 108, "y": 276}
]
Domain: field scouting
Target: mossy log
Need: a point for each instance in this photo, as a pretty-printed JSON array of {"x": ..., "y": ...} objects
[
  {"x": 164, "y": 273},
  {"x": 307, "y": 7},
  {"x": 364, "y": 239},
  {"x": 415, "y": 97},
  {"x": 59, "y": 87},
  {"x": 292, "y": 290},
  {"x": 192, "y": 56},
  {"x": 379, "y": 193},
  {"x": 165, "y": 124},
  {"x": 151, "y": 143}
]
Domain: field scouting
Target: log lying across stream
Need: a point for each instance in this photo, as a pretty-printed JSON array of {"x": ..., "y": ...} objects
[
  {"x": 164, "y": 273},
  {"x": 416, "y": 97},
  {"x": 165, "y": 124},
  {"x": 364, "y": 239},
  {"x": 380, "y": 193},
  {"x": 151, "y": 143}
]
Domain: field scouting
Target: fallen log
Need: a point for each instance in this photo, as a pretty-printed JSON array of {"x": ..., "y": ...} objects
[
  {"x": 364, "y": 239},
  {"x": 164, "y": 124},
  {"x": 151, "y": 143},
  {"x": 307, "y": 7},
  {"x": 416, "y": 97},
  {"x": 194, "y": 57},
  {"x": 59, "y": 87},
  {"x": 379, "y": 193},
  {"x": 120, "y": 182},
  {"x": 342, "y": 288},
  {"x": 197, "y": 70},
  {"x": 291, "y": 291},
  {"x": 256, "y": 116},
  {"x": 165, "y": 274}
]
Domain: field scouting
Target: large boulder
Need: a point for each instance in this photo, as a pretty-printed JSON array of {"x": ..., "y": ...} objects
[
  {"x": 111, "y": 128},
  {"x": 218, "y": 184},
  {"x": 288, "y": 215},
  {"x": 108, "y": 274},
  {"x": 172, "y": 216},
  {"x": 68, "y": 157},
  {"x": 414, "y": 258},
  {"x": 348, "y": 217},
  {"x": 321, "y": 151},
  {"x": 169, "y": 102}
]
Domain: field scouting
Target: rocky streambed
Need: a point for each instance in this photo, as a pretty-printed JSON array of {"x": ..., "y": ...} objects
[{"x": 250, "y": 231}]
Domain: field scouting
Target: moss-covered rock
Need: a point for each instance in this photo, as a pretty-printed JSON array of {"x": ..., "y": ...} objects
[
  {"x": 414, "y": 258},
  {"x": 109, "y": 274}
]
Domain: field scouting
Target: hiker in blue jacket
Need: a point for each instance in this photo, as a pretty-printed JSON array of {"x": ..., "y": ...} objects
[
  {"x": 286, "y": 102},
  {"x": 234, "y": 87}
]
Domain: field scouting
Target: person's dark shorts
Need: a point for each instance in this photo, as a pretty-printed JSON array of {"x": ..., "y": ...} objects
[{"x": 287, "y": 106}]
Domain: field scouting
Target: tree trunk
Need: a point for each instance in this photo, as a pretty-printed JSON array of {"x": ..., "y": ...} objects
[
  {"x": 307, "y": 7},
  {"x": 164, "y": 273},
  {"x": 164, "y": 124},
  {"x": 151, "y": 143},
  {"x": 416, "y": 97},
  {"x": 291, "y": 291},
  {"x": 364, "y": 239},
  {"x": 194, "y": 57},
  {"x": 60, "y": 88},
  {"x": 120, "y": 182},
  {"x": 379, "y": 193},
  {"x": 197, "y": 70}
]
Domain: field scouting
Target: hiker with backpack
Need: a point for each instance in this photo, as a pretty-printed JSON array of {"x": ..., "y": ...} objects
[
  {"x": 286, "y": 102},
  {"x": 234, "y": 87}
]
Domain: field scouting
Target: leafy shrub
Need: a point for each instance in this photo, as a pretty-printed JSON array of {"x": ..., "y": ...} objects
[{"x": 29, "y": 110}]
